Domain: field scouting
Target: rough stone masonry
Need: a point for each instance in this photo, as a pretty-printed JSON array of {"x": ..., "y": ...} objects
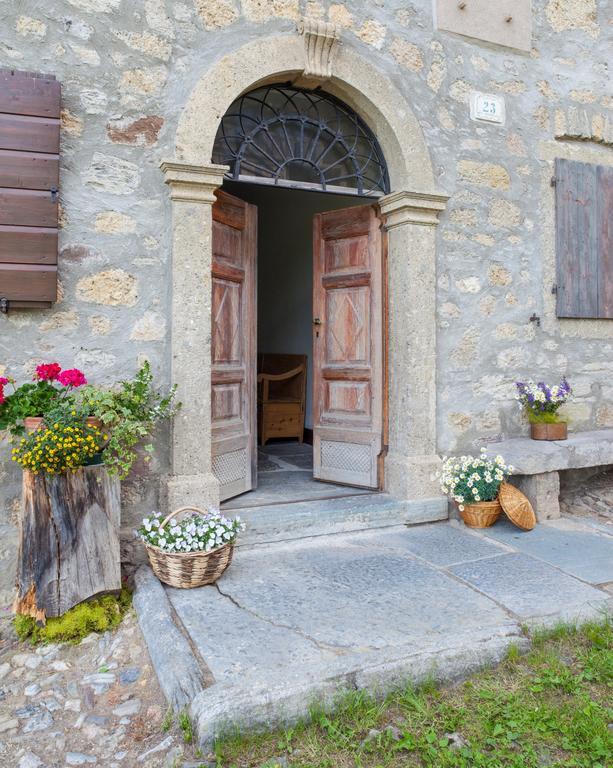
[{"x": 127, "y": 69}]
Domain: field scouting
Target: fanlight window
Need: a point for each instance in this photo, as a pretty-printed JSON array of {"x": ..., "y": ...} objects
[{"x": 294, "y": 137}]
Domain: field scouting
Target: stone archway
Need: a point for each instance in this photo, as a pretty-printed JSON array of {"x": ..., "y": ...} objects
[{"x": 411, "y": 213}]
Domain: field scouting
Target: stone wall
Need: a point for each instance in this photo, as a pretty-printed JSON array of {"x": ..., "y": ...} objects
[{"x": 127, "y": 69}]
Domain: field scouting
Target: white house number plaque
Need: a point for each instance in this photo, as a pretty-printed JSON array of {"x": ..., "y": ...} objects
[{"x": 485, "y": 106}]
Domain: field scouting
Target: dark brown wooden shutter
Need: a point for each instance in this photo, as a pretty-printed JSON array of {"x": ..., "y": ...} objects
[
  {"x": 29, "y": 182},
  {"x": 584, "y": 211}
]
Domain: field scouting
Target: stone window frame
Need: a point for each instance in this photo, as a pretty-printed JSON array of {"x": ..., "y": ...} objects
[{"x": 410, "y": 214}]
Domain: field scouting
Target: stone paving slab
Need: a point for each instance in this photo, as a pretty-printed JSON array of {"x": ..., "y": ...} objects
[
  {"x": 332, "y": 604},
  {"x": 532, "y": 589},
  {"x": 588, "y": 556},
  {"x": 440, "y": 544}
]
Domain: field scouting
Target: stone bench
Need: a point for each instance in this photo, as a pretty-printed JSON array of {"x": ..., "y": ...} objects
[{"x": 536, "y": 464}]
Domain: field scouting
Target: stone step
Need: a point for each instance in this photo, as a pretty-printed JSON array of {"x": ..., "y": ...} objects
[{"x": 301, "y": 519}]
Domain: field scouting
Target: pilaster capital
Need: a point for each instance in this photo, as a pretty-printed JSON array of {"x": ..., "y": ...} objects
[
  {"x": 404, "y": 207},
  {"x": 193, "y": 183}
]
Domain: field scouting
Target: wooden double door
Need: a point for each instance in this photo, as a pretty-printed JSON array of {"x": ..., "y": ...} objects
[{"x": 347, "y": 352}]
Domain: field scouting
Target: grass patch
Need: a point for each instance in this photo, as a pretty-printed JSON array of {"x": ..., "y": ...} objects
[
  {"x": 167, "y": 721},
  {"x": 549, "y": 708},
  {"x": 185, "y": 724},
  {"x": 93, "y": 616}
]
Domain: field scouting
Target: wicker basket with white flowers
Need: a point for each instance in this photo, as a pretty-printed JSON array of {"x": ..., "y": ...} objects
[
  {"x": 191, "y": 551},
  {"x": 474, "y": 482}
]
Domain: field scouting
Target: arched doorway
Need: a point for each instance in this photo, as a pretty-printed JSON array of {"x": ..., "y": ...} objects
[
  {"x": 304, "y": 172},
  {"x": 411, "y": 212}
]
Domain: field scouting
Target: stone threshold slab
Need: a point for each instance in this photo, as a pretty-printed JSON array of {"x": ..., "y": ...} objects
[{"x": 297, "y": 520}]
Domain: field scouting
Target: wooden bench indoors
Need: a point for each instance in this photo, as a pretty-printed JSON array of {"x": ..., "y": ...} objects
[
  {"x": 537, "y": 464},
  {"x": 281, "y": 396}
]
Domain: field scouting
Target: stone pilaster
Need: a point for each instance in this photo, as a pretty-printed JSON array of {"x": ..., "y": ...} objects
[
  {"x": 410, "y": 219},
  {"x": 192, "y": 190}
]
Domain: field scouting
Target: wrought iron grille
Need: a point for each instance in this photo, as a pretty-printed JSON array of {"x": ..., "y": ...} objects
[{"x": 289, "y": 136}]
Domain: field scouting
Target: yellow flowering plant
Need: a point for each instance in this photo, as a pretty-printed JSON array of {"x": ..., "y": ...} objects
[{"x": 63, "y": 444}]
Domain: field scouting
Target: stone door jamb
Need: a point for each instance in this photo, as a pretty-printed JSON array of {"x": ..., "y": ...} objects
[
  {"x": 410, "y": 219},
  {"x": 192, "y": 196}
]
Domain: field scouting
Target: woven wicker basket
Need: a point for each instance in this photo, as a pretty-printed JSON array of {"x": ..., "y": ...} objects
[
  {"x": 517, "y": 507},
  {"x": 189, "y": 569},
  {"x": 481, "y": 514}
]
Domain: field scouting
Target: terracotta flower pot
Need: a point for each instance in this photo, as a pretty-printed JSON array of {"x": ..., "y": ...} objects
[
  {"x": 556, "y": 431},
  {"x": 32, "y": 423},
  {"x": 481, "y": 514}
]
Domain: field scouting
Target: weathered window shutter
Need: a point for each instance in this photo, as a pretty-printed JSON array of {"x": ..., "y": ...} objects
[
  {"x": 584, "y": 242},
  {"x": 29, "y": 180}
]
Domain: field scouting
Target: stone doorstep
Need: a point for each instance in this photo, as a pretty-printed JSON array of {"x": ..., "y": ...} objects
[{"x": 297, "y": 520}]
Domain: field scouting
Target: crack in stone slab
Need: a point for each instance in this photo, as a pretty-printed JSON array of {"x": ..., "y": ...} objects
[{"x": 338, "y": 650}]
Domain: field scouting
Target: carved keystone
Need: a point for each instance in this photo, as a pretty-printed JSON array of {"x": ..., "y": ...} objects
[{"x": 320, "y": 44}]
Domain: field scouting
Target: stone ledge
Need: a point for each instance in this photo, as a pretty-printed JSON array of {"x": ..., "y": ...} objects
[{"x": 533, "y": 457}]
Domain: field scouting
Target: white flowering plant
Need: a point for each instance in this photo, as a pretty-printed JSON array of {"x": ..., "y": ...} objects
[
  {"x": 470, "y": 479},
  {"x": 196, "y": 533}
]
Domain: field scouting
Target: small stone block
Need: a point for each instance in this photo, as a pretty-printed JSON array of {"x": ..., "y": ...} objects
[{"x": 543, "y": 492}]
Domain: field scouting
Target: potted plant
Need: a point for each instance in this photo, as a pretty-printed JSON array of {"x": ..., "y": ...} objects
[
  {"x": 191, "y": 551},
  {"x": 24, "y": 409},
  {"x": 473, "y": 482},
  {"x": 541, "y": 404},
  {"x": 130, "y": 411},
  {"x": 60, "y": 403}
]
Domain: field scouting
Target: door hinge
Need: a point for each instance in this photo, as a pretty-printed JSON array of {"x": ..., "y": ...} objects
[
  {"x": 554, "y": 290},
  {"x": 4, "y": 305},
  {"x": 553, "y": 181},
  {"x": 53, "y": 191}
]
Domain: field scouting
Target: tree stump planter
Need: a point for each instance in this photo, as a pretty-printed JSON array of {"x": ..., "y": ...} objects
[{"x": 69, "y": 541}]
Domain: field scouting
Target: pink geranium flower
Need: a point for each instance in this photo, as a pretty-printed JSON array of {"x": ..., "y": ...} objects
[
  {"x": 3, "y": 382},
  {"x": 73, "y": 377},
  {"x": 47, "y": 372}
]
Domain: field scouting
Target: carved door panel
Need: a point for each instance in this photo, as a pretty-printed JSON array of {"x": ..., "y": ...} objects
[
  {"x": 348, "y": 346},
  {"x": 233, "y": 345}
]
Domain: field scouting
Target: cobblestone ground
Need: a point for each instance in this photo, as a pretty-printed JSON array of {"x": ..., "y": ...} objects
[
  {"x": 592, "y": 498},
  {"x": 97, "y": 703}
]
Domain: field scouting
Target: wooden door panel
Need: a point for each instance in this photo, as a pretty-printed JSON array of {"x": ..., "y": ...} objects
[
  {"x": 233, "y": 345},
  {"x": 348, "y": 346},
  {"x": 227, "y": 320},
  {"x": 348, "y": 399},
  {"x": 347, "y": 326}
]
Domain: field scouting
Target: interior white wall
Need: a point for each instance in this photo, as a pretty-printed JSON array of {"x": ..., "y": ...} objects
[{"x": 285, "y": 267}]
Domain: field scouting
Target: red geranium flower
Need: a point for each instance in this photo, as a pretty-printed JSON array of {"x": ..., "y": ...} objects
[
  {"x": 73, "y": 377},
  {"x": 3, "y": 382},
  {"x": 47, "y": 372}
]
